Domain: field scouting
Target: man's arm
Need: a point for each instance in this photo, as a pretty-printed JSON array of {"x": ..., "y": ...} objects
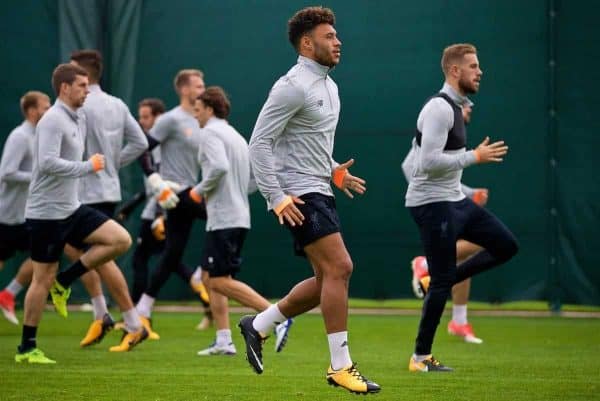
[
  {"x": 438, "y": 119},
  {"x": 49, "y": 140},
  {"x": 14, "y": 152},
  {"x": 283, "y": 103},
  {"x": 215, "y": 164},
  {"x": 136, "y": 142}
]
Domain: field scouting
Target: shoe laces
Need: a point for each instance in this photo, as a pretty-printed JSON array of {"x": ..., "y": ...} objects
[
  {"x": 434, "y": 361},
  {"x": 353, "y": 371}
]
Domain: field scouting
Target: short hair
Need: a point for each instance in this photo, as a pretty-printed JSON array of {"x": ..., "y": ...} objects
[
  {"x": 65, "y": 74},
  {"x": 183, "y": 77},
  {"x": 91, "y": 61},
  {"x": 307, "y": 19},
  {"x": 156, "y": 105},
  {"x": 215, "y": 97},
  {"x": 455, "y": 53},
  {"x": 31, "y": 99}
]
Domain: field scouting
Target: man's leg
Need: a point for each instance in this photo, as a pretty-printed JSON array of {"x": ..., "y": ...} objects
[
  {"x": 459, "y": 325},
  {"x": 238, "y": 291},
  {"x": 146, "y": 246},
  {"x": 35, "y": 300},
  {"x": 223, "y": 344},
  {"x": 178, "y": 227},
  {"x": 7, "y": 296},
  {"x": 486, "y": 230},
  {"x": 438, "y": 234}
]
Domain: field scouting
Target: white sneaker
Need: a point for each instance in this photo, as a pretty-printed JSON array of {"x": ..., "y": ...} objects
[
  {"x": 215, "y": 349},
  {"x": 281, "y": 334}
]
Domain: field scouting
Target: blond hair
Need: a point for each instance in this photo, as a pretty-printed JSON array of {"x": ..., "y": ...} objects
[
  {"x": 183, "y": 77},
  {"x": 454, "y": 54},
  {"x": 31, "y": 99}
]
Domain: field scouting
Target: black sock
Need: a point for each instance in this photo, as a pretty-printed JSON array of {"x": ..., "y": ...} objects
[
  {"x": 28, "y": 339},
  {"x": 67, "y": 277}
]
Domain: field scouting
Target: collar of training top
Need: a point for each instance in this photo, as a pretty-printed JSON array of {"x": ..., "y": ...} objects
[
  {"x": 459, "y": 99},
  {"x": 95, "y": 88},
  {"x": 313, "y": 66},
  {"x": 70, "y": 112}
]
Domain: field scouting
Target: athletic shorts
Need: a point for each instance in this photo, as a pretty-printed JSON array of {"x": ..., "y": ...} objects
[
  {"x": 222, "y": 251},
  {"x": 320, "y": 219},
  {"x": 48, "y": 237},
  {"x": 107, "y": 209},
  {"x": 13, "y": 238}
]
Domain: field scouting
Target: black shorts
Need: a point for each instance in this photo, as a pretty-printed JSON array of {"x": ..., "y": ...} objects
[
  {"x": 107, "y": 209},
  {"x": 320, "y": 219},
  {"x": 48, "y": 237},
  {"x": 222, "y": 251},
  {"x": 13, "y": 238}
]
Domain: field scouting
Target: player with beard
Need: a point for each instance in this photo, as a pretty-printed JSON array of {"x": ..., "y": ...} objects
[
  {"x": 459, "y": 325},
  {"x": 291, "y": 155},
  {"x": 437, "y": 204}
]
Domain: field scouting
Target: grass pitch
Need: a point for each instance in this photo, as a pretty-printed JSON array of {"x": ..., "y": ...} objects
[{"x": 521, "y": 359}]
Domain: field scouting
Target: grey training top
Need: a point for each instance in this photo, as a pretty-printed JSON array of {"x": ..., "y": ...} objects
[
  {"x": 15, "y": 173},
  {"x": 57, "y": 164},
  {"x": 408, "y": 166},
  {"x": 292, "y": 143},
  {"x": 179, "y": 135},
  {"x": 109, "y": 123},
  {"x": 223, "y": 157},
  {"x": 436, "y": 174}
]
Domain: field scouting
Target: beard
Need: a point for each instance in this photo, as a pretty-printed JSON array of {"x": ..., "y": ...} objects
[
  {"x": 324, "y": 57},
  {"x": 467, "y": 87}
]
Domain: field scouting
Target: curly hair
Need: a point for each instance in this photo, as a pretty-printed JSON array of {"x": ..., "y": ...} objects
[{"x": 306, "y": 20}]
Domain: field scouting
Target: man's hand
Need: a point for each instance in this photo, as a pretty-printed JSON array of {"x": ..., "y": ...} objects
[
  {"x": 167, "y": 199},
  {"x": 346, "y": 181},
  {"x": 480, "y": 196},
  {"x": 97, "y": 161},
  {"x": 487, "y": 153},
  {"x": 158, "y": 228},
  {"x": 287, "y": 211}
]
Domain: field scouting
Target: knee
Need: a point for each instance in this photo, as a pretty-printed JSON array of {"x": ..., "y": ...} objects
[
  {"x": 121, "y": 241},
  {"x": 218, "y": 284},
  {"x": 341, "y": 270},
  {"x": 510, "y": 247}
]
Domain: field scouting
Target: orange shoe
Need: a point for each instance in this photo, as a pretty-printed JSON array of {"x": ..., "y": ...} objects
[
  {"x": 7, "y": 306},
  {"x": 419, "y": 269},
  {"x": 428, "y": 365},
  {"x": 463, "y": 330},
  {"x": 147, "y": 323},
  {"x": 199, "y": 288}
]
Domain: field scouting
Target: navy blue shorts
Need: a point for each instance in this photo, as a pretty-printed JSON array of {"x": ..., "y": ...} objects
[
  {"x": 13, "y": 238},
  {"x": 48, "y": 237},
  {"x": 107, "y": 209},
  {"x": 222, "y": 251},
  {"x": 320, "y": 219}
]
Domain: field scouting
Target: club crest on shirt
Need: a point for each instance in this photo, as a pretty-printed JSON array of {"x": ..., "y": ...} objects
[
  {"x": 188, "y": 131},
  {"x": 320, "y": 102}
]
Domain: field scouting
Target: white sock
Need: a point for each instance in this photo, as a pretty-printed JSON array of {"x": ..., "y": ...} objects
[
  {"x": 459, "y": 314},
  {"x": 224, "y": 337},
  {"x": 421, "y": 358},
  {"x": 99, "y": 305},
  {"x": 14, "y": 287},
  {"x": 144, "y": 305},
  {"x": 339, "y": 350},
  {"x": 266, "y": 320},
  {"x": 197, "y": 275},
  {"x": 132, "y": 320}
]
